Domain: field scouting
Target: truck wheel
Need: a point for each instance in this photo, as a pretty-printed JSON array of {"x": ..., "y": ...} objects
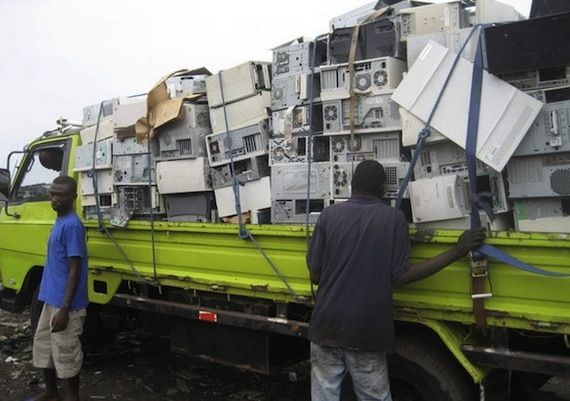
[
  {"x": 421, "y": 371},
  {"x": 35, "y": 310}
]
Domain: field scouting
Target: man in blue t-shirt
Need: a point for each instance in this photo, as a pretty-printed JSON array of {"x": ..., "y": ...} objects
[
  {"x": 63, "y": 289},
  {"x": 358, "y": 251}
]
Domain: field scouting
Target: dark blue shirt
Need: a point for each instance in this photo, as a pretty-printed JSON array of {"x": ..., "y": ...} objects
[
  {"x": 359, "y": 247},
  {"x": 67, "y": 239}
]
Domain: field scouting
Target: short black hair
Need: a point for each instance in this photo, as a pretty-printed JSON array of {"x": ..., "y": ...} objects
[
  {"x": 369, "y": 178},
  {"x": 67, "y": 180}
]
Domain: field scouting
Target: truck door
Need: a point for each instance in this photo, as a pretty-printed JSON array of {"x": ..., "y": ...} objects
[{"x": 26, "y": 220}]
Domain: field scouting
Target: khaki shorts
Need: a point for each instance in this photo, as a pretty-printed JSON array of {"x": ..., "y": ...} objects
[{"x": 62, "y": 350}]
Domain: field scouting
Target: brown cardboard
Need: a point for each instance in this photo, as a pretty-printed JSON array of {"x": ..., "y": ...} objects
[{"x": 161, "y": 109}]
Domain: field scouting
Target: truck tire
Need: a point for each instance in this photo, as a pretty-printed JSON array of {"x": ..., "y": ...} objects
[{"x": 423, "y": 371}]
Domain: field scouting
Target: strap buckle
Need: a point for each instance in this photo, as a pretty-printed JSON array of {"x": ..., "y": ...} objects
[
  {"x": 479, "y": 265},
  {"x": 479, "y": 271}
]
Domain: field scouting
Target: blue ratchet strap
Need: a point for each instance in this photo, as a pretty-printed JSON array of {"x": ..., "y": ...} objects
[
  {"x": 422, "y": 136},
  {"x": 471, "y": 146},
  {"x": 491, "y": 251},
  {"x": 477, "y": 202},
  {"x": 477, "y": 261}
]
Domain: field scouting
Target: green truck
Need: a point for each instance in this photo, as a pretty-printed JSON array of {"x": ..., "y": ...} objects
[{"x": 247, "y": 301}]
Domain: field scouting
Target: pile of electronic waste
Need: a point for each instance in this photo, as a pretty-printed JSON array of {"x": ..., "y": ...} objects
[{"x": 278, "y": 141}]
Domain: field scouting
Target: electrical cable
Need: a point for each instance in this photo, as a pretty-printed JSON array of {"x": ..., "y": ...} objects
[
  {"x": 100, "y": 224},
  {"x": 150, "y": 203},
  {"x": 312, "y": 62},
  {"x": 236, "y": 183},
  {"x": 275, "y": 269}
]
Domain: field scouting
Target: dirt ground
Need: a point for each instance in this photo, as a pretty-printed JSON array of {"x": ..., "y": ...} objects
[{"x": 140, "y": 368}]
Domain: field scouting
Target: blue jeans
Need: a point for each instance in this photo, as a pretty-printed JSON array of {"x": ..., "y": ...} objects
[{"x": 368, "y": 370}]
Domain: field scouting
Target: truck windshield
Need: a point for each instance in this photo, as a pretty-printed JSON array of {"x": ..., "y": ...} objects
[{"x": 39, "y": 170}]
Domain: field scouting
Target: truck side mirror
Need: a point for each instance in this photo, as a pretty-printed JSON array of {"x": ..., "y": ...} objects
[{"x": 4, "y": 184}]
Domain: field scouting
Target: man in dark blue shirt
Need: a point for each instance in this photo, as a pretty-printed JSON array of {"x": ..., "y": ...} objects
[{"x": 358, "y": 251}]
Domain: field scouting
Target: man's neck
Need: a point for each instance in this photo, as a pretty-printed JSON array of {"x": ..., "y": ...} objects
[
  {"x": 64, "y": 213},
  {"x": 358, "y": 193}
]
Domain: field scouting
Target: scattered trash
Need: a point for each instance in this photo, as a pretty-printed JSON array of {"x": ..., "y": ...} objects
[
  {"x": 292, "y": 376},
  {"x": 182, "y": 386}
]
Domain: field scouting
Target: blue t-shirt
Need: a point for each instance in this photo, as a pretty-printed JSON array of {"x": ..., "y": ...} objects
[
  {"x": 360, "y": 248},
  {"x": 67, "y": 239}
]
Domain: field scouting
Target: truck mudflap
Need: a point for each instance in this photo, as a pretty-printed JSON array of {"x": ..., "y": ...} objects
[{"x": 532, "y": 362}]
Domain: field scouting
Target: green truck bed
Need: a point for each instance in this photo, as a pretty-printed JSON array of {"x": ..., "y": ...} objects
[{"x": 271, "y": 265}]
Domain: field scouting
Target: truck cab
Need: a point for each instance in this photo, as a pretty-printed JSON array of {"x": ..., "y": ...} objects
[{"x": 27, "y": 216}]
